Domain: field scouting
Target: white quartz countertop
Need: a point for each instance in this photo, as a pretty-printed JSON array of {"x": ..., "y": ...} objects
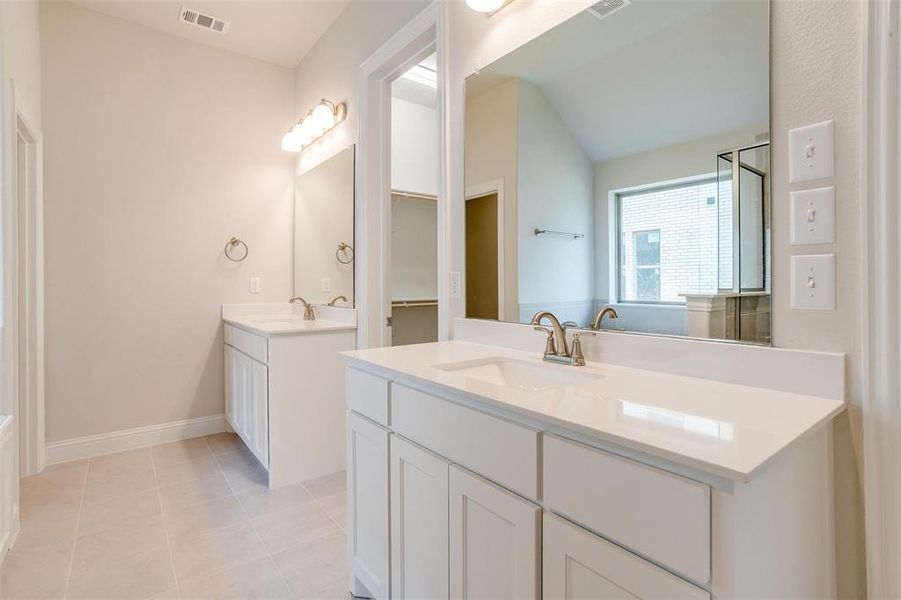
[
  {"x": 725, "y": 429},
  {"x": 270, "y": 325}
]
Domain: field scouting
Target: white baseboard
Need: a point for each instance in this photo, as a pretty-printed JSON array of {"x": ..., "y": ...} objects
[{"x": 128, "y": 439}]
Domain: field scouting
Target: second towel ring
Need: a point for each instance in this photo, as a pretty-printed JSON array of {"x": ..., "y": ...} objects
[
  {"x": 347, "y": 251},
  {"x": 233, "y": 243}
]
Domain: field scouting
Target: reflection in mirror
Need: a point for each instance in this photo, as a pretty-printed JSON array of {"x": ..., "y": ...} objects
[
  {"x": 324, "y": 231},
  {"x": 623, "y": 159}
]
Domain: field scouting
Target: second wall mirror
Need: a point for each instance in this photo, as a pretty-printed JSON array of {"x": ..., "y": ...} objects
[
  {"x": 324, "y": 231},
  {"x": 622, "y": 158}
]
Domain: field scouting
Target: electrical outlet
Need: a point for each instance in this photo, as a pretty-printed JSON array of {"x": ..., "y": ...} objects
[
  {"x": 254, "y": 285},
  {"x": 455, "y": 285}
]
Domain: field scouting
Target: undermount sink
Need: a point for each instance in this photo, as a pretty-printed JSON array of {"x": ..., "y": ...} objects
[{"x": 520, "y": 374}]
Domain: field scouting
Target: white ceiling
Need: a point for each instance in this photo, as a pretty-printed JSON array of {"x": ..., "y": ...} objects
[
  {"x": 654, "y": 74},
  {"x": 280, "y": 32}
]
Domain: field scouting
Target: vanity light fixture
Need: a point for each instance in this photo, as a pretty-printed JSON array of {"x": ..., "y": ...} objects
[
  {"x": 324, "y": 117},
  {"x": 486, "y": 6}
]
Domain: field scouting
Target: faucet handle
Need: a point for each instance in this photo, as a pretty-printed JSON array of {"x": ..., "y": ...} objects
[
  {"x": 551, "y": 346},
  {"x": 578, "y": 359}
]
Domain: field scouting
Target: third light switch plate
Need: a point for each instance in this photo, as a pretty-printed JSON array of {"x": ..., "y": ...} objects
[{"x": 813, "y": 282}]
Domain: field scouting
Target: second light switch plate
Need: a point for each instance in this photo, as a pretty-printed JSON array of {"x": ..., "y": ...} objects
[
  {"x": 813, "y": 282},
  {"x": 811, "y": 152},
  {"x": 813, "y": 216}
]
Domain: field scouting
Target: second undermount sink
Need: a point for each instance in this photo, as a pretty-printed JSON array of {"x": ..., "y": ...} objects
[
  {"x": 520, "y": 374},
  {"x": 278, "y": 320}
]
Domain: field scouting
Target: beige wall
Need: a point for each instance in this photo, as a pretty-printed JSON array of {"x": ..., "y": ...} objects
[
  {"x": 157, "y": 151},
  {"x": 331, "y": 68},
  {"x": 491, "y": 153},
  {"x": 22, "y": 56},
  {"x": 816, "y": 75}
]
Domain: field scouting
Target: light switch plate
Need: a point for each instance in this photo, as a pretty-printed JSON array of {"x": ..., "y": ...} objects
[
  {"x": 326, "y": 284},
  {"x": 811, "y": 152},
  {"x": 813, "y": 282},
  {"x": 254, "y": 285},
  {"x": 813, "y": 216}
]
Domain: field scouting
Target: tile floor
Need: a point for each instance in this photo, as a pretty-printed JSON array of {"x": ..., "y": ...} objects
[{"x": 190, "y": 519}]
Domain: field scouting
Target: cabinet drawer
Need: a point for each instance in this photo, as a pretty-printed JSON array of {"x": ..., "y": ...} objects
[
  {"x": 578, "y": 564},
  {"x": 255, "y": 346},
  {"x": 368, "y": 395},
  {"x": 663, "y": 516},
  {"x": 501, "y": 451}
]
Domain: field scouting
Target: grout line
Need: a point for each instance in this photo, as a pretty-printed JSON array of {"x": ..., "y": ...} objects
[
  {"x": 159, "y": 496},
  {"x": 252, "y": 526},
  {"x": 84, "y": 488}
]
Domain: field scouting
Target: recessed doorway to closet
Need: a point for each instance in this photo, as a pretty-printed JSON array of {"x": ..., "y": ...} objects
[{"x": 414, "y": 205}]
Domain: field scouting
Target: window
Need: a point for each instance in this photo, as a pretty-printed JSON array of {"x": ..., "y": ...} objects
[{"x": 668, "y": 242}]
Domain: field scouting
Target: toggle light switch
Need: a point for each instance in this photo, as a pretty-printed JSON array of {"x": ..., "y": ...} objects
[
  {"x": 813, "y": 282},
  {"x": 254, "y": 285},
  {"x": 811, "y": 152},
  {"x": 813, "y": 216}
]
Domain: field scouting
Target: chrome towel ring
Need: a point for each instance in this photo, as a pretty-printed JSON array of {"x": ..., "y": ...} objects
[
  {"x": 230, "y": 247},
  {"x": 346, "y": 251}
]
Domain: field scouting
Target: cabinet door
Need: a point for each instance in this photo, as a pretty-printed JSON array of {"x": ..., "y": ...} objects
[
  {"x": 367, "y": 509},
  {"x": 258, "y": 411},
  {"x": 494, "y": 541},
  {"x": 419, "y": 493},
  {"x": 579, "y": 565}
]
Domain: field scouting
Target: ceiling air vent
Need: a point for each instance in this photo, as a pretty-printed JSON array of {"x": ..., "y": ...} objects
[
  {"x": 195, "y": 17},
  {"x": 605, "y": 8}
]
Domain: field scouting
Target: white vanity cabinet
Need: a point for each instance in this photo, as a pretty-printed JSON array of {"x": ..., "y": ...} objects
[
  {"x": 284, "y": 397},
  {"x": 450, "y": 497}
]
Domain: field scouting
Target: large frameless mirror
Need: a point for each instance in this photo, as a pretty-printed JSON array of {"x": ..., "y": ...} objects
[{"x": 622, "y": 159}]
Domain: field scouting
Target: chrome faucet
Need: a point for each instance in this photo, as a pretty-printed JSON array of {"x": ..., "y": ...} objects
[
  {"x": 336, "y": 298},
  {"x": 556, "y": 349},
  {"x": 605, "y": 310},
  {"x": 308, "y": 314}
]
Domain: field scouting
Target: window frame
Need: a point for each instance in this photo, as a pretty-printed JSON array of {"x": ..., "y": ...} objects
[{"x": 615, "y": 229}]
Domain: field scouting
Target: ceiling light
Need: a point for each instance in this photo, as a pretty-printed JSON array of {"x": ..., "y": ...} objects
[
  {"x": 325, "y": 116},
  {"x": 485, "y": 6}
]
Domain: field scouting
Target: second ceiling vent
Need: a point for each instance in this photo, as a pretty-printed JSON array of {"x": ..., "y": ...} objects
[
  {"x": 605, "y": 8},
  {"x": 195, "y": 17}
]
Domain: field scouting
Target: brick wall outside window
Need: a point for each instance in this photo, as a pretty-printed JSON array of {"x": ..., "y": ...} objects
[{"x": 688, "y": 221}]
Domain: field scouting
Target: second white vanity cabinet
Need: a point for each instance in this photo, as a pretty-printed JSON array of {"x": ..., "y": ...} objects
[
  {"x": 452, "y": 495},
  {"x": 284, "y": 389}
]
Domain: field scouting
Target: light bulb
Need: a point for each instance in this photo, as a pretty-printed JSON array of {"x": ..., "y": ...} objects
[
  {"x": 291, "y": 142},
  {"x": 485, "y": 6},
  {"x": 302, "y": 136},
  {"x": 324, "y": 116},
  {"x": 311, "y": 128}
]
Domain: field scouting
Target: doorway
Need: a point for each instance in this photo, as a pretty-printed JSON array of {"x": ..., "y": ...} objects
[
  {"x": 481, "y": 257},
  {"x": 413, "y": 317}
]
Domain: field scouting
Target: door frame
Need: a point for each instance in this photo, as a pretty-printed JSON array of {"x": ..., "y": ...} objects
[
  {"x": 420, "y": 37},
  {"x": 23, "y": 312},
  {"x": 879, "y": 318},
  {"x": 479, "y": 190}
]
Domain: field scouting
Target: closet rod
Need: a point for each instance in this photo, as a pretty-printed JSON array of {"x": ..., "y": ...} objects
[
  {"x": 414, "y": 195},
  {"x": 412, "y": 303}
]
